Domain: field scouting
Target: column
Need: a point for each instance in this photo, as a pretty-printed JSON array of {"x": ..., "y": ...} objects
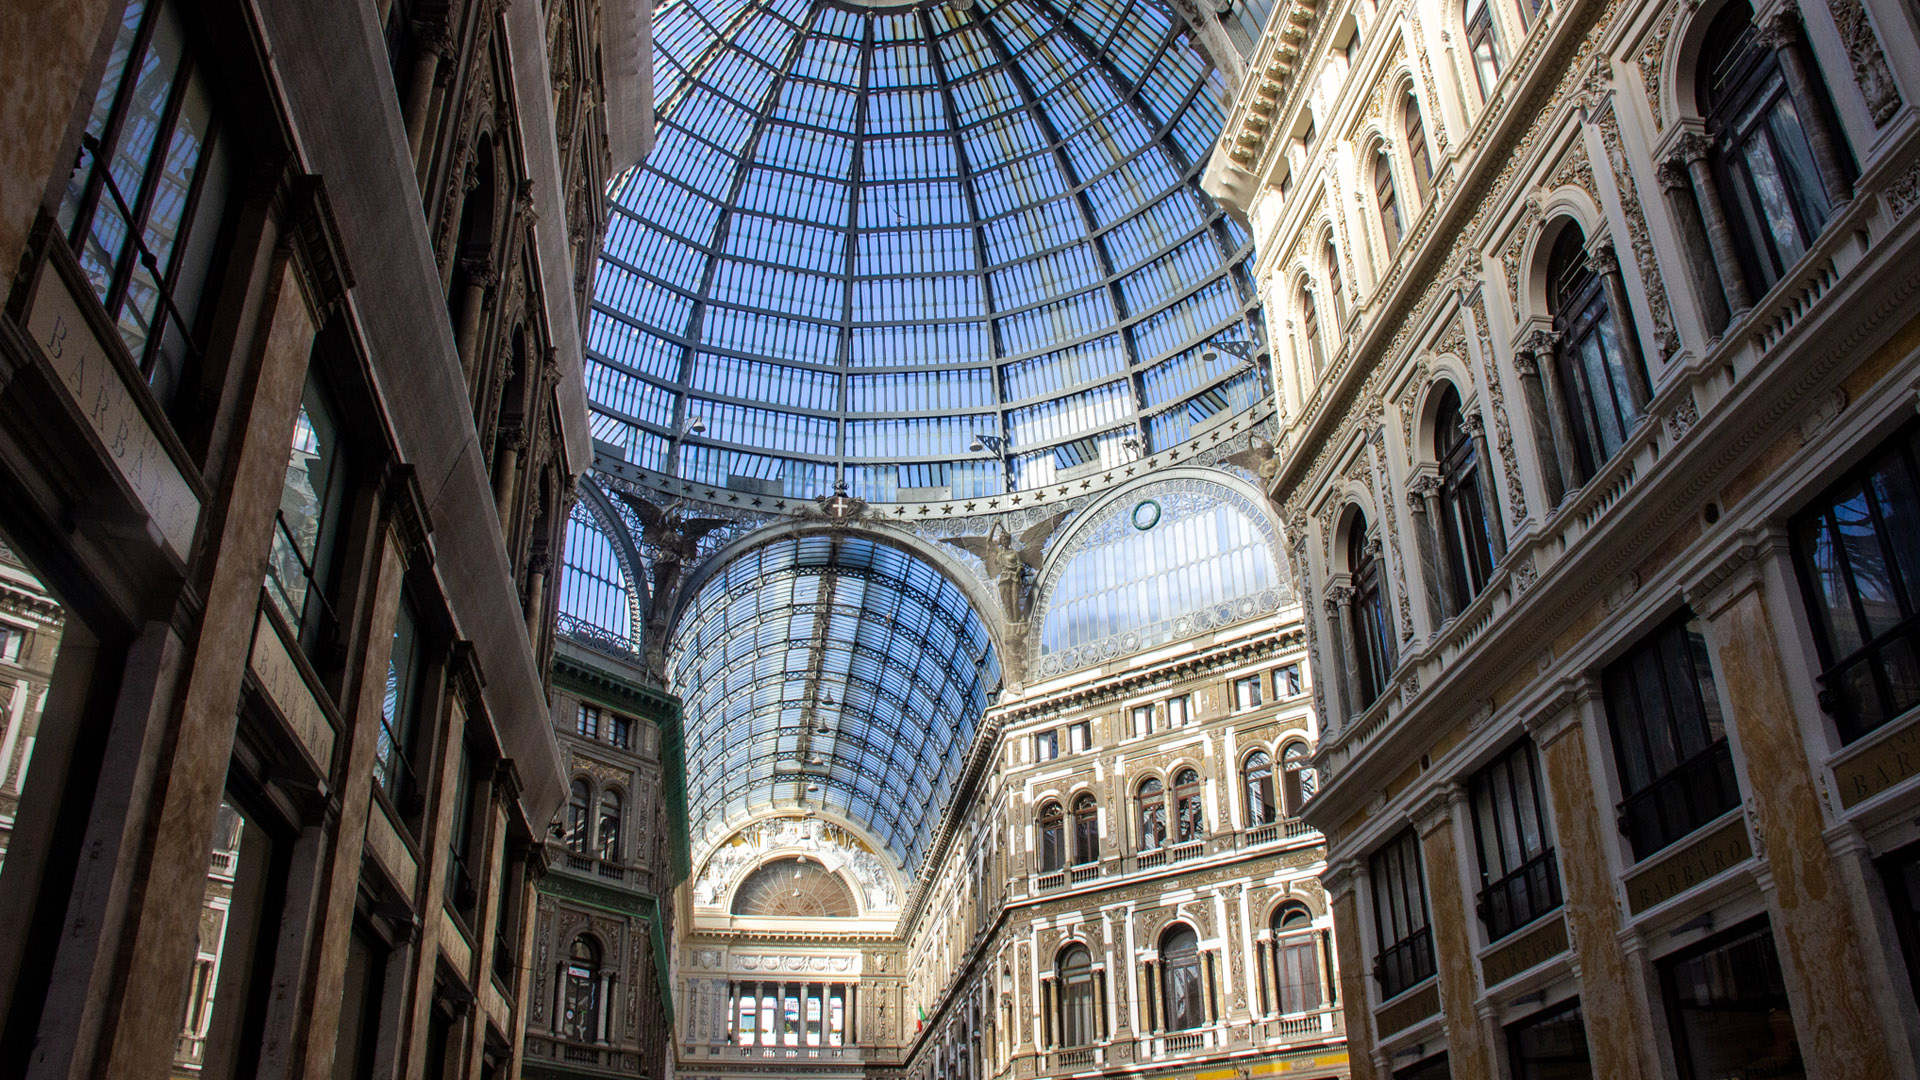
[
  {"x": 1340, "y": 607},
  {"x": 1147, "y": 996},
  {"x": 1620, "y": 1036},
  {"x": 1476, "y": 426},
  {"x": 1692, "y": 150},
  {"x": 1263, "y": 959},
  {"x": 1436, "y": 570},
  {"x": 1212, "y": 1001},
  {"x": 1468, "y": 1047},
  {"x": 1782, "y": 34},
  {"x": 1049, "y": 1013},
  {"x": 1100, "y": 1003},
  {"x": 1671, "y": 175},
  {"x": 1534, "y": 359},
  {"x": 433, "y": 44},
  {"x": 506, "y": 463},
  {"x": 1342, "y": 882},
  {"x": 1815, "y": 929},
  {"x": 1605, "y": 262},
  {"x": 604, "y": 1005},
  {"x": 481, "y": 277}
]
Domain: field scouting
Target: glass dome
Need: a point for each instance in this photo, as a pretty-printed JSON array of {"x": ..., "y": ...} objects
[{"x": 934, "y": 252}]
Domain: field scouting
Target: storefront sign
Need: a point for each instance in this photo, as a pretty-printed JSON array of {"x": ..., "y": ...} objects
[
  {"x": 273, "y": 666},
  {"x": 1535, "y": 947},
  {"x": 1689, "y": 865},
  {"x": 100, "y": 391},
  {"x": 1408, "y": 1011},
  {"x": 1867, "y": 771}
]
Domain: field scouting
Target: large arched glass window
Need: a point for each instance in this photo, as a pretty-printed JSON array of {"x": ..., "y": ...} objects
[
  {"x": 1296, "y": 960},
  {"x": 1335, "y": 287},
  {"x": 1762, "y": 155},
  {"x": 1483, "y": 43},
  {"x": 1592, "y": 359},
  {"x": 1077, "y": 1021},
  {"x": 1190, "y": 815},
  {"x": 1151, "y": 801},
  {"x": 608, "y": 836},
  {"x": 1386, "y": 198},
  {"x": 580, "y": 992},
  {"x": 1257, "y": 774},
  {"x": 1086, "y": 830},
  {"x": 1463, "y": 516},
  {"x": 1052, "y": 838},
  {"x": 1417, "y": 155},
  {"x": 1372, "y": 633},
  {"x": 1297, "y": 776},
  {"x": 579, "y": 821},
  {"x": 1310, "y": 331},
  {"x": 1181, "y": 990}
]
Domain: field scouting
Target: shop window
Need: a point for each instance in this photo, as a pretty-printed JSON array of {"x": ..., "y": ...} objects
[
  {"x": 300, "y": 566},
  {"x": 1519, "y": 877},
  {"x": 1858, "y": 550},
  {"x": 1400, "y": 920},
  {"x": 238, "y": 914},
  {"x": 1550, "y": 1045},
  {"x": 1727, "y": 1007},
  {"x": 1669, "y": 738},
  {"x": 143, "y": 208},
  {"x": 1901, "y": 873}
]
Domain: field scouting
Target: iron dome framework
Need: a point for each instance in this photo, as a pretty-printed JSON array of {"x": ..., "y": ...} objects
[{"x": 939, "y": 253}]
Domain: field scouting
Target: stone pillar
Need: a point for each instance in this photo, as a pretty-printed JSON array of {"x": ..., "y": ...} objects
[
  {"x": 1556, "y": 413},
  {"x": 1263, "y": 959},
  {"x": 1211, "y": 1006},
  {"x": 1101, "y": 1027},
  {"x": 1816, "y": 931},
  {"x": 506, "y": 463},
  {"x": 481, "y": 277},
  {"x": 1469, "y": 1049},
  {"x": 1340, "y": 606},
  {"x": 1342, "y": 882},
  {"x": 537, "y": 596},
  {"x": 1540, "y": 421},
  {"x": 1148, "y": 996},
  {"x": 1692, "y": 151},
  {"x": 433, "y": 44},
  {"x": 1605, "y": 262},
  {"x": 1620, "y": 1042},
  {"x": 1490, "y": 495},
  {"x": 1436, "y": 570},
  {"x": 1671, "y": 175},
  {"x": 1782, "y": 33}
]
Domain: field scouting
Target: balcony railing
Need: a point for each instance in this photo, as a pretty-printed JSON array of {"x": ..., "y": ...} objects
[
  {"x": 1084, "y": 873},
  {"x": 1147, "y": 860},
  {"x": 1319, "y": 1023},
  {"x": 1183, "y": 1041},
  {"x": 1078, "y": 1058},
  {"x": 1192, "y": 849},
  {"x": 604, "y": 869}
]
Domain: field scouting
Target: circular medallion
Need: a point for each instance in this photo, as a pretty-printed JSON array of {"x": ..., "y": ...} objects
[{"x": 1146, "y": 514}]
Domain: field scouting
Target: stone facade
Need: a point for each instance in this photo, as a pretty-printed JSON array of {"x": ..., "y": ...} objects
[
  {"x": 291, "y": 413},
  {"x": 1446, "y": 198}
]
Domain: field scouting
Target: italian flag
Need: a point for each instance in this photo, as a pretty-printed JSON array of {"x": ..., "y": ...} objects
[{"x": 921, "y": 1021}]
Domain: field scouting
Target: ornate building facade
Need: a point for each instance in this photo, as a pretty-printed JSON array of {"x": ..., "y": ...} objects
[
  {"x": 1593, "y": 328},
  {"x": 291, "y": 410}
]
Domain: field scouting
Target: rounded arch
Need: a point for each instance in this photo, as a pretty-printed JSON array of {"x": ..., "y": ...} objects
[
  {"x": 1291, "y": 913},
  {"x": 587, "y": 948},
  {"x": 1354, "y": 516},
  {"x": 595, "y": 512},
  {"x": 1676, "y": 92},
  {"x": 793, "y": 886},
  {"x": 1313, "y": 906},
  {"x": 1569, "y": 209},
  {"x": 1121, "y": 604},
  {"x": 1416, "y": 135},
  {"x": 1445, "y": 376}
]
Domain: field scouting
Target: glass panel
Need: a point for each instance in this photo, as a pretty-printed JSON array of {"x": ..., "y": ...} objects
[{"x": 1731, "y": 1016}]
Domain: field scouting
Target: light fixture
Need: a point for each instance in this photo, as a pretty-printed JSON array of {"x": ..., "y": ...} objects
[
  {"x": 1241, "y": 349},
  {"x": 993, "y": 443},
  {"x": 695, "y": 425}
]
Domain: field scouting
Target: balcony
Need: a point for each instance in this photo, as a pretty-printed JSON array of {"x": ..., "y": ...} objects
[
  {"x": 734, "y": 1052},
  {"x": 598, "y": 1057},
  {"x": 607, "y": 871}
]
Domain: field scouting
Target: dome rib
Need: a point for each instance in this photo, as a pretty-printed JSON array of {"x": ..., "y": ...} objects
[{"x": 924, "y": 227}]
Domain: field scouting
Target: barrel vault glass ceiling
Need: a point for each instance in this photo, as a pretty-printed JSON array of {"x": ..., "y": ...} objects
[
  {"x": 868, "y": 236},
  {"x": 830, "y": 672}
]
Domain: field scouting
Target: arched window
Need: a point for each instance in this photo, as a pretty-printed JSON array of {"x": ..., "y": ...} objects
[
  {"x": 1483, "y": 42},
  {"x": 1152, "y": 803},
  {"x": 1258, "y": 776},
  {"x": 580, "y": 993},
  {"x": 1297, "y": 776},
  {"x": 609, "y": 832},
  {"x": 1053, "y": 838},
  {"x": 1190, "y": 815},
  {"x": 1077, "y": 1021},
  {"x": 1181, "y": 990},
  {"x": 1763, "y": 156},
  {"x": 1296, "y": 960},
  {"x": 1310, "y": 330},
  {"x": 1592, "y": 359},
  {"x": 1372, "y": 633},
  {"x": 579, "y": 820},
  {"x": 1335, "y": 287},
  {"x": 1386, "y": 198},
  {"x": 1086, "y": 830},
  {"x": 1463, "y": 517},
  {"x": 1417, "y": 155}
]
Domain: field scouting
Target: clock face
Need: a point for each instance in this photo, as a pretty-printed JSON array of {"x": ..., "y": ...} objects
[{"x": 1146, "y": 514}]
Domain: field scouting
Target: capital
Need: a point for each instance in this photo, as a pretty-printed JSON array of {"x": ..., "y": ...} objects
[
  {"x": 1603, "y": 259},
  {"x": 1671, "y": 175},
  {"x": 1782, "y": 31},
  {"x": 1692, "y": 147}
]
